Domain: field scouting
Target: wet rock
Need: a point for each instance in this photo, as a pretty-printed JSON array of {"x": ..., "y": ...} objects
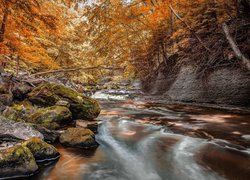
[
  {"x": 50, "y": 117},
  {"x": 92, "y": 125},
  {"x": 78, "y": 137},
  {"x": 49, "y": 135},
  {"x": 20, "y": 90},
  {"x": 82, "y": 107},
  {"x": 17, "y": 161},
  {"x": 41, "y": 150},
  {"x": 18, "y": 130}
]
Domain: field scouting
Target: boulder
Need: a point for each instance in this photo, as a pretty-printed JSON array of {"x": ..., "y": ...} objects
[
  {"x": 18, "y": 110},
  {"x": 20, "y": 90},
  {"x": 50, "y": 117},
  {"x": 78, "y": 137},
  {"x": 17, "y": 161},
  {"x": 41, "y": 150},
  {"x": 82, "y": 107},
  {"x": 17, "y": 130}
]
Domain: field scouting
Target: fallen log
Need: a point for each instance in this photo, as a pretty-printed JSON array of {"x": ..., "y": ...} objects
[{"x": 73, "y": 70}]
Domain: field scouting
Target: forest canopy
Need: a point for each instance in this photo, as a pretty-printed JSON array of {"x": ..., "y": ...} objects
[{"x": 136, "y": 36}]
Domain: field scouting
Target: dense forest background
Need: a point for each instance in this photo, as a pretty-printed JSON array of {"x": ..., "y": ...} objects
[{"x": 97, "y": 38}]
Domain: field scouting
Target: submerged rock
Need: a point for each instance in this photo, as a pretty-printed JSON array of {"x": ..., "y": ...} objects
[
  {"x": 92, "y": 125},
  {"x": 78, "y": 137},
  {"x": 17, "y": 161},
  {"x": 50, "y": 117},
  {"x": 82, "y": 107},
  {"x": 17, "y": 130},
  {"x": 41, "y": 150}
]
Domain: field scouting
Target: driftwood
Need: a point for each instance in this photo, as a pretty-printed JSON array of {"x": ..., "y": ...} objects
[
  {"x": 190, "y": 29},
  {"x": 235, "y": 48},
  {"x": 73, "y": 70}
]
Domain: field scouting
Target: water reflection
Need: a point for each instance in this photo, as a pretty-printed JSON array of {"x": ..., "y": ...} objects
[{"x": 71, "y": 165}]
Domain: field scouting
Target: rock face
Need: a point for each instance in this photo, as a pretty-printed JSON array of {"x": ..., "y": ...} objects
[
  {"x": 17, "y": 161},
  {"x": 78, "y": 137},
  {"x": 41, "y": 150},
  {"x": 50, "y": 117},
  {"x": 17, "y": 129},
  {"x": 223, "y": 86},
  {"x": 80, "y": 106}
]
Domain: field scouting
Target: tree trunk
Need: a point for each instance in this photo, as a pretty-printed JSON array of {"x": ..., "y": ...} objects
[
  {"x": 237, "y": 52},
  {"x": 3, "y": 25}
]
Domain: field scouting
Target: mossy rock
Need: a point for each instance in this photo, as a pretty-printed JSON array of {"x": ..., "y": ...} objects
[
  {"x": 82, "y": 107},
  {"x": 18, "y": 110},
  {"x": 17, "y": 161},
  {"x": 78, "y": 137},
  {"x": 50, "y": 117},
  {"x": 41, "y": 150},
  {"x": 13, "y": 114},
  {"x": 22, "y": 105}
]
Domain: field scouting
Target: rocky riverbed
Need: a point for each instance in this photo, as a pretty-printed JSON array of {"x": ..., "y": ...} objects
[{"x": 33, "y": 117}]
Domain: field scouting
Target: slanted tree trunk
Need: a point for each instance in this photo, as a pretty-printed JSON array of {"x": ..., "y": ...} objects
[
  {"x": 4, "y": 21},
  {"x": 245, "y": 61}
]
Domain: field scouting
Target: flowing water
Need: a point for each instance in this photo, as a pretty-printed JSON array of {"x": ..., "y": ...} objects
[{"x": 147, "y": 141}]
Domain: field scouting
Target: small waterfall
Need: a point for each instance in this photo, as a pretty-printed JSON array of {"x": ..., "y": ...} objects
[
  {"x": 140, "y": 161},
  {"x": 132, "y": 164}
]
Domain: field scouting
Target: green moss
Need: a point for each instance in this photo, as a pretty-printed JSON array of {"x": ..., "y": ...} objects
[
  {"x": 23, "y": 105},
  {"x": 80, "y": 106},
  {"x": 13, "y": 114},
  {"x": 78, "y": 137},
  {"x": 51, "y": 116},
  {"x": 40, "y": 149},
  {"x": 15, "y": 156},
  {"x": 43, "y": 95}
]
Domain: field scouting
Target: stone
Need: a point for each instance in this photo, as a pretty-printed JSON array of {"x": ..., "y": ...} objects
[
  {"x": 63, "y": 103},
  {"x": 41, "y": 150},
  {"x": 49, "y": 135},
  {"x": 17, "y": 130},
  {"x": 51, "y": 117},
  {"x": 17, "y": 161},
  {"x": 20, "y": 90},
  {"x": 12, "y": 114},
  {"x": 78, "y": 137},
  {"x": 82, "y": 107},
  {"x": 6, "y": 99},
  {"x": 92, "y": 125}
]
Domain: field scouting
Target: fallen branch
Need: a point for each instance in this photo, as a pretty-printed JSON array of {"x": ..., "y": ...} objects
[
  {"x": 235, "y": 48},
  {"x": 73, "y": 70},
  {"x": 190, "y": 29}
]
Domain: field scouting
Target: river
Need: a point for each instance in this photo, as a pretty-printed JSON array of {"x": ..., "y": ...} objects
[{"x": 141, "y": 140}]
